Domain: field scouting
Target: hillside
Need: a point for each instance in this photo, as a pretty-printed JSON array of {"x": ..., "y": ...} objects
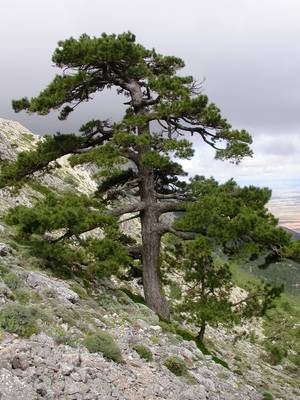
[
  {"x": 72, "y": 338},
  {"x": 295, "y": 234}
]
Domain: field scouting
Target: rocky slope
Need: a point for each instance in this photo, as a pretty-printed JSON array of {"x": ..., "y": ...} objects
[{"x": 50, "y": 326}]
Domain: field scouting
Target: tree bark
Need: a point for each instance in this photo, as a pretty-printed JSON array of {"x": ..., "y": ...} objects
[
  {"x": 201, "y": 333},
  {"x": 149, "y": 216},
  {"x": 151, "y": 239}
]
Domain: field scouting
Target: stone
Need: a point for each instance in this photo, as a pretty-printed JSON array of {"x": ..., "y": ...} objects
[
  {"x": 19, "y": 362},
  {"x": 5, "y": 250},
  {"x": 61, "y": 290},
  {"x": 12, "y": 388}
]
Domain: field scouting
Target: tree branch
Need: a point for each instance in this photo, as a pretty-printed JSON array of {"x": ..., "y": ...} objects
[
  {"x": 166, "y": 228},
  {"x": 171, "y": 206},
  {"x": 251, "y": 296},
  {"x": 128, "y": 208}
]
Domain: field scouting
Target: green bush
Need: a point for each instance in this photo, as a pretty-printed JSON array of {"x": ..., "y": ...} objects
[
  {"x": 79, "y": 290},
  {"x": 267, "y": 396},
  {"x": 12, "y": 280},
  {"x": 143, "y": 352},
  {"x": 19, "y": 319},
  {"x": 103, "y": 343},
  {"x": 136, "y": 298},
  {"x": 276, "y": 353},
  {"x": 176, "y": 366},
  {"x": 154, "y": 339},
  {"x": 22, "y": 295}
]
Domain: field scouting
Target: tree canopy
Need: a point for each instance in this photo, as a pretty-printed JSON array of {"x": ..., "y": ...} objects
[{"x": 138, "y": 171}]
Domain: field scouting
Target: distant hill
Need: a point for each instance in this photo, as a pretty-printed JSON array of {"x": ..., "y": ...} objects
[
  {"x": 295, "y": 234},
  {"x": 286, "y": 272}
]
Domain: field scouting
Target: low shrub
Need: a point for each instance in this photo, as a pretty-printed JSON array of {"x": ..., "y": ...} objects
[
  {"x": 22, "y": 295},
  {"x": 82, "y": 293},
  {"x": 276, "y": 353},
  {"x": 154, "y": 339},
  {"x": 19, "y": 319},
  {"x": 12, "y": 280},
  {"x": 103, "y": 343},
  {"x": 267, "y": 396},
  {"x": 143, "y": 352},
  {"x": 176, "y": 365}
]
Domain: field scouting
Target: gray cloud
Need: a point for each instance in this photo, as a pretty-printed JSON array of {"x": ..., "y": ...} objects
[{"x": 248, "y": 51}]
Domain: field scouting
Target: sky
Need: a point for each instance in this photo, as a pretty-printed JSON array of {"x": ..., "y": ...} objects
[{"x": 246, "y": 51}]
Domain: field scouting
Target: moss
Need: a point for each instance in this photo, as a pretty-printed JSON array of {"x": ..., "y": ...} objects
[
  {"x": 103, "y": 343},
  {"x": 82, "y": 293},
  {"x": 19, "y": 319},
  {"x": 144, "y": 352}
]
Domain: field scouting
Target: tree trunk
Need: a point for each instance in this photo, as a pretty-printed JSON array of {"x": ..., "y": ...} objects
[
  {"x": 151, "y": 240},
  {"x": 201, "y": 333}
]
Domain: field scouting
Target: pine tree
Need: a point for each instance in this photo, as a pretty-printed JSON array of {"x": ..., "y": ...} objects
[
  {"x": 164, "y": 109},
  {"x": 224, "y": 222}
]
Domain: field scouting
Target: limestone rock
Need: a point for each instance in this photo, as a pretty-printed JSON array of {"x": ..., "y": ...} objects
[
  {"x": 42, "y": 282},
  {"x": 12, "y": 388}
]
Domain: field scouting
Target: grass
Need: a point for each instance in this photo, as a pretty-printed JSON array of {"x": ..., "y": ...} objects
[
  {"x": 143, "y": 352},
  {"x": 190, "y": 336},
  {"x": 19, "y": 319},
  {"x": 177, "y": 366},
  {"x": 136, "y": 298},
  {"x": 82, "y": 293},
  {"x": 104, "y": 343}
]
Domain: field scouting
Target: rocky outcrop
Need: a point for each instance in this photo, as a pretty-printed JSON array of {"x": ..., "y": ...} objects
[
  {"x": 51, "y": 360},
  {"x": 14, "y": 138}
]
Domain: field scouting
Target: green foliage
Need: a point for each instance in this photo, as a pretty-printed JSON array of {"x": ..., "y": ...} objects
[
  {"x": 282, "y": 331},
  {"x": 103, "y": 343},
  {"x": 208, "y": 280},
  {"x": 154, "y": 339},
  {"x": 160, "y": 97},
  {"x": 67, "y": 216},
  {"x": 74, "y": 213},
  {"x": 12, "y": 280},
  {"x": 144, "y": 352},
  {"x": 22, "y": 295},
  {"x": 233, "y": 217},
  {"x": 47, "y": 150},
  {"x": 19, "y": 319},
  {"x": 137, "y": 298},
  {"x": 276, "y": 353},
  {"x": 79, "y": 290},
  {"x": 176, "y": 365},
  {"x": 267, "y": 396}
]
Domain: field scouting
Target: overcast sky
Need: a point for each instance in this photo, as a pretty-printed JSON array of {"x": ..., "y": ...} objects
[{"x": 248, "y": 51}]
